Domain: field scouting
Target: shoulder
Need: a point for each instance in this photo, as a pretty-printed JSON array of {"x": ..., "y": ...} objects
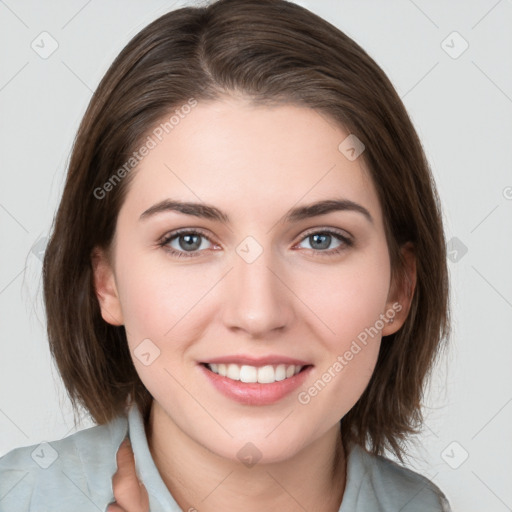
[
  {"x": 378, "y": 483},
  {"x": 74, "y": 472}
]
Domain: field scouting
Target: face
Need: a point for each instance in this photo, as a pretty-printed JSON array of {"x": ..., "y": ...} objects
[{"x": 237, "y": 285}]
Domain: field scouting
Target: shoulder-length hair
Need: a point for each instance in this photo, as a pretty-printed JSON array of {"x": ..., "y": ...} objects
[{"x": 273, "y": 52}]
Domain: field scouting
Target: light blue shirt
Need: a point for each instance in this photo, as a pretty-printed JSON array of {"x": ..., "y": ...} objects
[{"x": 75, "y": 474}]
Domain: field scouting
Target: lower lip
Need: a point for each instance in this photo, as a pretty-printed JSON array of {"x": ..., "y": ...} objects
[{"x": 254, "y": 393}]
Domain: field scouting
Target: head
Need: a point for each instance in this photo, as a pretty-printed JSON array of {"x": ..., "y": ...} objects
[{"x": 251, "y": 107}]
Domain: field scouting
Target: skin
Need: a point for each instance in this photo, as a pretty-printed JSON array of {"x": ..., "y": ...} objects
[
  {"x": 129, "y": 492},
  {"x": 253, "y": 163}
]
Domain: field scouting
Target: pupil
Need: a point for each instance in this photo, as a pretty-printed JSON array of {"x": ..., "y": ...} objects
[
  {"x": 326, "y": 241},
  {"x": 190, "y": 244}
]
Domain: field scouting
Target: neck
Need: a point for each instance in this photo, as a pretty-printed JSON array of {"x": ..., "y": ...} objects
[{"x": 200, "y": 480}]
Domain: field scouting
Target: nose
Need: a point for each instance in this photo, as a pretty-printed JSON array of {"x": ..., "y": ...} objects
[{"x": 257, "y": 298}]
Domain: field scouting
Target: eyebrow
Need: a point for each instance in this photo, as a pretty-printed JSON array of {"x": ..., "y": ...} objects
[{"x": 207, "y": 211}]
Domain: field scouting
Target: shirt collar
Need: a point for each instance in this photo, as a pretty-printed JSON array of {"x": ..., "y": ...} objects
[
  {"x": 148, "y": 472},
  {"x": 145, "y": 466}
]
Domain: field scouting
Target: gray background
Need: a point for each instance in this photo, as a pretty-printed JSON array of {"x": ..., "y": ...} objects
[{"x": 461, "y": 106}]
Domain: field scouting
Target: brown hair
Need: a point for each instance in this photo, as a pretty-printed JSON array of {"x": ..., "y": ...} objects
[{"x": 271, "y": 51}]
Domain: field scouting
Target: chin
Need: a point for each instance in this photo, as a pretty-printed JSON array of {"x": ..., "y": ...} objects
[{"x": 250, "y": 450}]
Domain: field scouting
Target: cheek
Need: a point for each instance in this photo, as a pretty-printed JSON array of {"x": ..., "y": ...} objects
[
  {"x": 350, "y": 298},
  {"x": 349, "y": 305},
  {"x": 158, "y": 299},
  {"x": 163, "y": 316},
  {"x": 162, "y": 301}
]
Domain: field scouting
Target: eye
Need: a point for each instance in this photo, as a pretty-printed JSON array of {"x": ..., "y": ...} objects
[
  {"x": 186, "y": 242},
  {"x": 322, "y": 240},
  {"x": 189, "y": 243}
]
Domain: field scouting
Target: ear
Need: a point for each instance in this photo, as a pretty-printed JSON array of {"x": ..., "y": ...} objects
[
  {"x": 401, "y": 292},
  {"x": 105, "y": 287}
]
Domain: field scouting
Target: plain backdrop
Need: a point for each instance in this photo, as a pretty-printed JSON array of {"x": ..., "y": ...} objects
[{"x": 451, "y": 64}]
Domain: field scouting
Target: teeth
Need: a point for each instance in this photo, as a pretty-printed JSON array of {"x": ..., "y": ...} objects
[
  {"x": 262, "y": 374},
  {"x": 233, "y": 372}
]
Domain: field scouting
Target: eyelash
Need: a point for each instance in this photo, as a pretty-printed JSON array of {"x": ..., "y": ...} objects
[{"x": 347, "y": 242}]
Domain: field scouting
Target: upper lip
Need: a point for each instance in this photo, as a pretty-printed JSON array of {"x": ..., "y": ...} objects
[{"x": 256, "y": 361}]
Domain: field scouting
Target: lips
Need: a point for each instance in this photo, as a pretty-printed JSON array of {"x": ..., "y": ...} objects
[
  {"x": 264, "y": 370},
  {"x": 257, "y": 361},
  {"x": 255, "y": 381},
  {"x": 262, "y": 374}
]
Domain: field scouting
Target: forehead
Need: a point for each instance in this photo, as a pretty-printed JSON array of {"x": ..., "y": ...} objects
[{"x": 250, "y": 160}]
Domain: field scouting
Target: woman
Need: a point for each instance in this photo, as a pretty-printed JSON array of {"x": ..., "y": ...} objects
[{"x": 246, "y": 277}]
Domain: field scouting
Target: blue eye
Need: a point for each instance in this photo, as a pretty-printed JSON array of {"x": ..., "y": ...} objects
[
  {"x": 321, "y": 240},
  {"x": 190, "y": 242}
]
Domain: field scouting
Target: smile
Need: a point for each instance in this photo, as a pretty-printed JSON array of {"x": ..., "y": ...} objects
[
  {"x": 263, "y": 374},
  {"x": 262, "y": 383}
]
